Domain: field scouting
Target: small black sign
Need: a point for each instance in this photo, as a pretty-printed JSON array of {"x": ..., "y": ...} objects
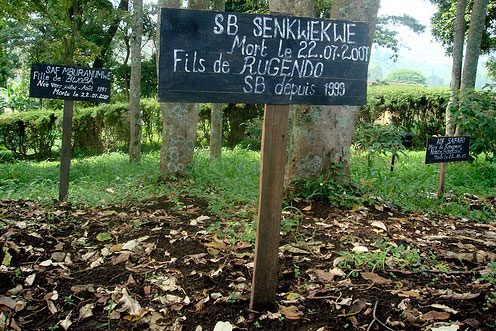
[
  {"x": 210, "y": 56},
  {"x": 69, "y": 83},
  {"x": 447, "y": 149}
]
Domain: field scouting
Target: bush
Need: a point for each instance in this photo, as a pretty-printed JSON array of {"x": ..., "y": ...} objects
[
  {"x": 415, "y": 108},
  {"x": 34, "y": 130},
  {"x": 95, "y": 129},
  {"x": 476, "y": 117}
]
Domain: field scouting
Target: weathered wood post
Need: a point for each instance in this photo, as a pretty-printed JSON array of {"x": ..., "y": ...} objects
[
  {"x": 65, "y": 149},
  {"x": 273, "y": 159}
]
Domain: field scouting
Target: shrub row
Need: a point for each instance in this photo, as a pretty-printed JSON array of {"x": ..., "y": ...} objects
[
  {"x": 106, "y": 127},
  {"x": 95, "y": 129},
  {"x": 414, "y": 108}
]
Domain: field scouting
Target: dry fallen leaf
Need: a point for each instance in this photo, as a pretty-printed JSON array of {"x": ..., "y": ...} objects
[
  {"x": 406, "y": 294},
  {"x": 66, "y": 323},
  {"x": 360, "y": 249},
  {"x": 129, "y": 304},
  {"x": 375, "y": 278},
  {"x": 379, "y": 224},
  {"x": 223, "y": 326},
  {"x": 444, "y": 308},
  {"x": 86, "y": 311},
  {"x": 435, "y": 315},
  {"x": 8, "y": 302},
  {"x": 51, "y": 307},
  {"x": 291, "y": 312}
]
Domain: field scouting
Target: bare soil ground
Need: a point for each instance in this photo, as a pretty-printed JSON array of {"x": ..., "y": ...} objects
[{"x": 154, "y": 266}]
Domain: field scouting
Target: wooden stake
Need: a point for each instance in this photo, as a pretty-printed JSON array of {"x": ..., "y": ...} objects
[
  {"x": 442, "y": 176},
  {"x": 65, "y": 151},
  {"x": 273, "y": 159},
  {"x": 392, "y": 162}
]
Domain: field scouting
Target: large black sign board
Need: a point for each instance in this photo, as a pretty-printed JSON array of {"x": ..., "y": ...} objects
[
  {"x": 69, "y": 83},
  {"x": 210, "y": 56},
  {"x": 447, "y": 149}
]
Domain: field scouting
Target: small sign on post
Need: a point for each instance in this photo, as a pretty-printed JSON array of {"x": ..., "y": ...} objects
[
  {"x": 267, "y": 59},
  {"x": 447, "y": 149},
  {"x": 68, "y": 83}
]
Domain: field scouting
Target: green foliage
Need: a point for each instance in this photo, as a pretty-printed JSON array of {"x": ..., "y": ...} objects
[
  {"x": 412, "y": 186},
  {"x": 62, "y": 30},
  {"x": 327, "y": 188},
  {"x": 385, "y": 37},
  {"x": 414, "y": 108},
  {"x": 385, "y": 255},
  {"x": 104, "y": 127},
  {"x": 442, "y": 24},
  {"x": 95, "y": 129},
  {"x": 148, "y": 88},
  {"x": 491, "y": 276},
  {"x": 15, "y": 97},
  {"x": 476, "y": 117},
  {"x": 253, "y": 133},
  {"x": 406, "y": 76},
  {"x": 34, "y": 130},
  {"x": 378, "y": 139},
  {"x": 248, "y": 6}
]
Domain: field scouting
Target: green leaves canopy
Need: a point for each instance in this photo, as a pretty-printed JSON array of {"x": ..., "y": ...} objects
[{"x": 58, "y": 31}]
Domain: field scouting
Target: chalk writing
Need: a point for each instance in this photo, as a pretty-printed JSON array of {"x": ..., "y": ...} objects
[
  {"x": 447, "y": 149},
  {"x": 232, "y": 57},
  {"x": 70, "y": 83}
]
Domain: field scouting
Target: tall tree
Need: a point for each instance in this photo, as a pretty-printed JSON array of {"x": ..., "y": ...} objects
[
  {"x": 320, "y": 137},
  {"x": 135, "y": 85},
  {"x": 474, "y": 39},
  {"x": 179, "y": 120},
  {"x": 217, "y": 108},
  {"x": 456, "y": 76},
  {"x": 456, "y": 69}
]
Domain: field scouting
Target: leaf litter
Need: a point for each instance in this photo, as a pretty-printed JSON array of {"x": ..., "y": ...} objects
[{"x": 151, "y": 266}]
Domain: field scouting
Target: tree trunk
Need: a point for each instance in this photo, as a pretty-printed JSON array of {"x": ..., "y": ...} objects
[
  {"x": 135, "y": 85},
  {"x": 456, "y": 70},
  {"x": 456, "y": 75},
  {"x": 109, "y": 36},
  {"x": 320, "y": 137},
  {"x": 472, "y": 50},
  {"x": 216, "y": 114},
  {"x": 179, "y": 120}
]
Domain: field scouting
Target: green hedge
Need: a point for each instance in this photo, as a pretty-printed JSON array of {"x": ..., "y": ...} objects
[
  {"x": 106, "y": 127},
  {"x": 415, "y": 108},
  {"x": 34, "y": 130},
  {"x": 95, "y": 129}
]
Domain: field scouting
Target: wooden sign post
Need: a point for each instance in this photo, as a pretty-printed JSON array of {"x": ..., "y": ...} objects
[
  {"x": 446, "y": 149},
  {"x": 68, "y": 83},
  {"x": 274, "y": 60}
]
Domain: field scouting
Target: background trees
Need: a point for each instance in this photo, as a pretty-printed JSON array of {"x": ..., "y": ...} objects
[{"x": 406, "y": 76}]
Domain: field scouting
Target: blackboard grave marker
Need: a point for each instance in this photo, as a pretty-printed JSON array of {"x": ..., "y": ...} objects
[
  {"x": 68, "y": 83},
  {"x": 274, "y": 60},
  {"x": 446, "y": 149}
]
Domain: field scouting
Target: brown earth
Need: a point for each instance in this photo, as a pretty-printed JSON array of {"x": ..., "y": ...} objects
[{"x": 154, "y": 266}]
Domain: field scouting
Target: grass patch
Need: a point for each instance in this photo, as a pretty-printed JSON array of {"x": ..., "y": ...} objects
[
  {"x": 230, "y": 184},
  {"x": 412, "y": 186},
  {"x": 227, "y": 183}
]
